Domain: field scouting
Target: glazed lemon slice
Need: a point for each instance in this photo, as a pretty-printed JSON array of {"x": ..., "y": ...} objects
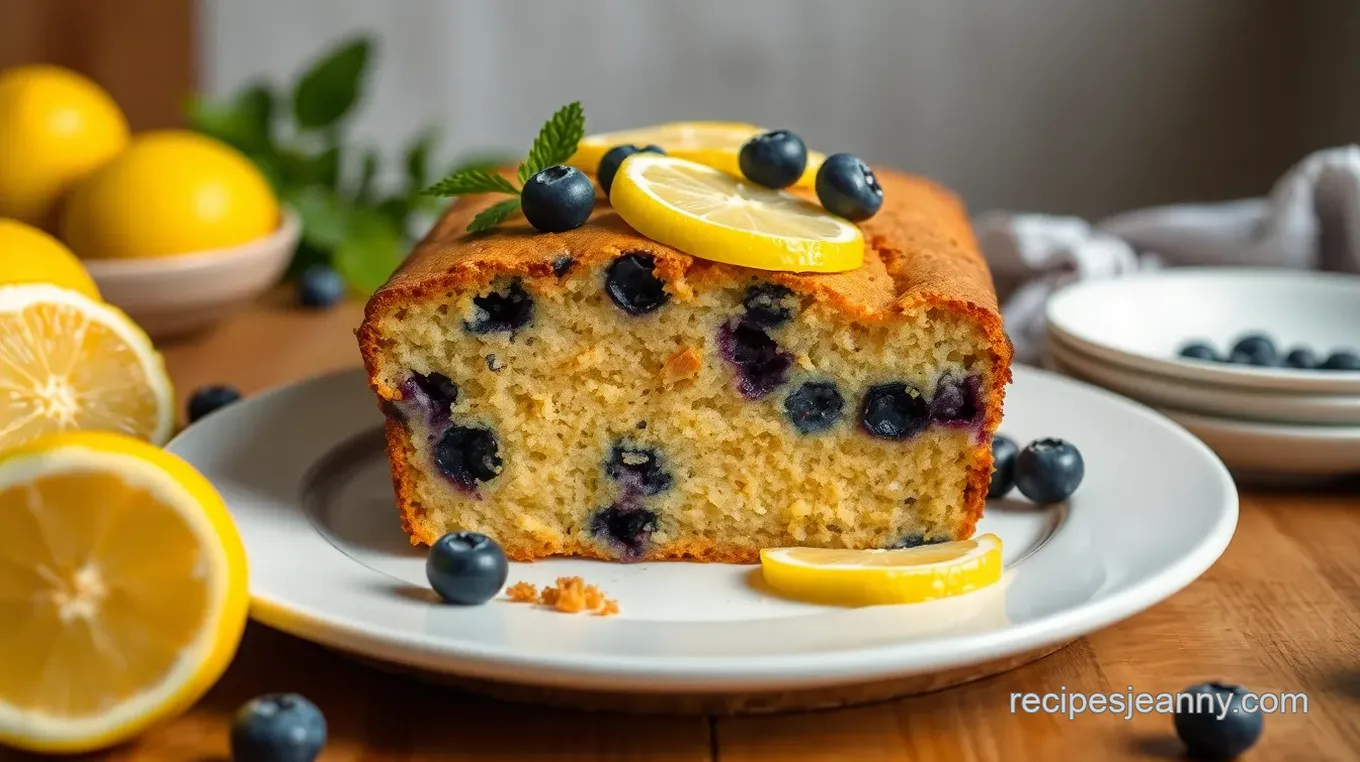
[
  {"x": 714, "y": 144},
  {"x": 123, "y": 590},
  {"x": 68, "y": 362},
  {"x": 871, "y": 577},
  {"x": 710, "y": 214}
]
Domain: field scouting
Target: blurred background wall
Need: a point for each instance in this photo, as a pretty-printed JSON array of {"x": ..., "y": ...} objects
[{"x": 1056, "y": 105}]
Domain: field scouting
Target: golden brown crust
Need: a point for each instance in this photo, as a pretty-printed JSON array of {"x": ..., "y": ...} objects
[{"x": 921, "y": 253}]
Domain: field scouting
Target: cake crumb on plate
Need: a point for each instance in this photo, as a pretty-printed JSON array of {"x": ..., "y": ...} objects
[{"x": 571, "y": 595}]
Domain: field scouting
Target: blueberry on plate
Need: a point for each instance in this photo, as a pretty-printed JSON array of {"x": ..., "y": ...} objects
[
  {"x": 279, "y": 727},
  {"x": 1254, "y": 349},
  {"x": 466, "y": 568},
  {"x": 773, "y": 159},
  {"x": 558, "y": 199},
  {"x": 319, "y": 286},
  {"x": 1217, "y": 726},
  {"x": 1302, "y": 358},
  {"x": 609, "y": 163},
  {"x": 1004, "y": 450},
  {"x": 209, "y": 399},
  {"x": 848, "y": 188},
  {"x": 1198, "y": 350},
  {"x": 1342, "y": 359},
  {"x": 1049, "y": 470}
]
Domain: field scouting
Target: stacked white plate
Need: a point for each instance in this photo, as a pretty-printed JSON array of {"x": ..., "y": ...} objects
[{"x": 1125, "y": 334}]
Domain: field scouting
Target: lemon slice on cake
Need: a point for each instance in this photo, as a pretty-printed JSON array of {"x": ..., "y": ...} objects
[
  {"x": 68, "y": 362},
  {"x": 714, "y": 144},
  {"x": 713, "y": 215},
  {"x": 123, "y": 590},
  {"x": 871, "y": 577}
]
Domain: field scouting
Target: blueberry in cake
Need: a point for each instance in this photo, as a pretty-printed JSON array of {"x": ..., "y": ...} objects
[{"x": 646, "y": 404}]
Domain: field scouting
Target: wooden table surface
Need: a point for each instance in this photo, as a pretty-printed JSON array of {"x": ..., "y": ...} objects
[{"x": 1280, "y": 612}]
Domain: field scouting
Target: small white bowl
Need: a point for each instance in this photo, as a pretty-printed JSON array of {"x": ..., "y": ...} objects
[
  {"x": 1141, "y": 321},
  {"x": 174, "y": 296},
  {"x": 1229, "y": 402}
]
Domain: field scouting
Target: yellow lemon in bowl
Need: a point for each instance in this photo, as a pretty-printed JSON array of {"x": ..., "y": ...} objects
[
  {"x": 28, "y": 255},
  {"x": 56, "y": 127},
  {"x": 171, "y": 192}
]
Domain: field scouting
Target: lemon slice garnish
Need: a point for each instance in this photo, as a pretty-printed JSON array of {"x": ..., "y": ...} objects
[
  {"x": 714, "y": 144},
  {"x": 68, "y": 362},
  {"x": 871, "y": 577},
  {"x": 710, "y": 214},
  {"x": 123, "y": 590}
]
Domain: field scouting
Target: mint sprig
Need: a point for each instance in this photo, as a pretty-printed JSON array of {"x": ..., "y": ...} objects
[{"x": 556, "y": 143}]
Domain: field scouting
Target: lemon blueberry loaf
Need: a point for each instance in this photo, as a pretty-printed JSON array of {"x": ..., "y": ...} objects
[{"x": 596, "y": 393}]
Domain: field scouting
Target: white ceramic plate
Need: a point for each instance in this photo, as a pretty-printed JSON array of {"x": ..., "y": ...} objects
[
  {"x": 1142, "y": 320},
  {"x": 304, "y": 474},
  {"x": 1191, "y": 396}
]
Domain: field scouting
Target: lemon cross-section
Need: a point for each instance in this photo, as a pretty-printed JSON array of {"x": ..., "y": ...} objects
[
  {"x": 68, "y": 363},
  {"x": 710, "y": 214},
  {"x": 714, "y": 144},
  {"x": 870, "y": 577},
  {"x": 123, "y": 590}
]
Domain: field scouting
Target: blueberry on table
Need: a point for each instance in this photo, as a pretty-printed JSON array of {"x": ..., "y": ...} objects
[
  {"x": 466, "y": 568},
  {"x": 609, "y": 163},
  {"x": 1342, "y": 359},
  {"x": 1198, "y": 350},
  {"x": 1004, "y": 450},
  {"x": 848, "y": 188},
  {"x": 1049, "y": 470},
  {"x": 209, "y": 399},
  {"x": 319, "y": 286},
  {"x": 279, "y": 727},
  {"x": 557, "y": 199},
  {"x": 1302, "y": 358},
  {"x": 773, "y": 159},
  {"x": 1217, "y": 726},
  {"x": 1254, "y": 349}
]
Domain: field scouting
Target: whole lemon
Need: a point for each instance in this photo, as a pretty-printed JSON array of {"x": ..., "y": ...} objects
[
  {"x": 28, "y": 255},
  {"x": 56, "y": 126},
  {"x": 169, "y": 193}
]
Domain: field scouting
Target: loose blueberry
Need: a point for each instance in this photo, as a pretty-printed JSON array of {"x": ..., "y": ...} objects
[
  {"x": 768, "y": 305},
  {"x": 625, "y": 525},
  {"x": 1217, "y": 726},
  {"x": 468, "y": 455},
  {"x": 1198, "y": 350},
  {"x": 632, "y": 284},
  {"x": 815, "y": 406},
  {"x": 558, "y": 199},
  {"x": 761, "y": 367},
  {"x": 1254, "y": 349},
  {"x": 319, "y": 286},
  {"x": 466, "y": 568},
  {"x": 609, "y": 163},
  {"x": 1004, "y": 450},
  {"x": 442, "y": 391},
  {"x": 848, "y": 188},
  {"x": 1343, "y": 359},
  {"x": 278, "y": 727},
  {"x": 1049, "y": 470},
  {"x": 894, "y": 411},
  {"x": 639, "y": 469},
  {"x": 955, "y": 402},
  {"x": 773, "y": 159},
  {"x": 562, "y": 265},
  {"x": 209, "y": 399},
  {"x": 1302, "y": 358},
  {"x": 501, "y": 311}
]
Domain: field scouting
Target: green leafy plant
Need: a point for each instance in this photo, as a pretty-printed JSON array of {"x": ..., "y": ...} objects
[
  {"x": 556, "y": 142},
  {"x": 299, "y": 139}
]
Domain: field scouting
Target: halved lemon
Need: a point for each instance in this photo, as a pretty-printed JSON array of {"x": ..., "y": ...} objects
[
  {"x": 710, "y": 214},
  {"x": 714, "y": 144},
  {"x": 68, "y": 362},
  {"x": 872, "y": 577},
  {"x": 123, "y": 590}
]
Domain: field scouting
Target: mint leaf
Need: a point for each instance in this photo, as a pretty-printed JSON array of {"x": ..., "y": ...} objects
[
  {"x": 368, "y": 170},
  {"x": 418, "y": 161},
  {"x": 324, "y": 215},
  {"x": 372, "y": 249},
  {"x": 245, "y": 122},
  {"x": 301, "y": 169},
  {"x": 467, "y": 181},
  {"x": 331, "y": 87},
  {"x": 491, "y": 216},
  {"x": 556, "y": 142}
]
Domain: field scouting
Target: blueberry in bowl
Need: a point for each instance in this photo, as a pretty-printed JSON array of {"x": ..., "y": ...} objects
[
  {"x": 1254, "y": 349},
  {"x": 1301, "y": 358},
  {"x": 1342, "y": 359},
  {"x": 1198, "y": 350}
]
